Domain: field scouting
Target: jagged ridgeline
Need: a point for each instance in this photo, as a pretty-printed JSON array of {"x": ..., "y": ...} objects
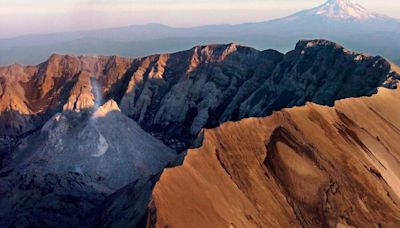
[
  {"x": 78, "y": 145},
  {"x": 175, "y": 95}
]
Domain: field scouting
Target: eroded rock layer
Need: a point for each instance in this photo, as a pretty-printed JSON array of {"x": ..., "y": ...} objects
[
  {"x": 309, "y": 166},
  {"x": 68, "y": 157},
  {"x": 176, "y": 95}
]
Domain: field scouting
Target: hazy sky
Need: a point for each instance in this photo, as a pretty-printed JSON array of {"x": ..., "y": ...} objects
[{"x": 19, "y": 17}]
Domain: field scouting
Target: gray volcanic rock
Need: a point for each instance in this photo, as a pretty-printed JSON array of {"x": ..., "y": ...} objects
[
  {"x": 222, "y": 83},
  {"x": 68, "y": 158},
  {"x": 58, "y": 175},
  {"x": 175, "y": 95},
  {"x": 125, "y": 207}
]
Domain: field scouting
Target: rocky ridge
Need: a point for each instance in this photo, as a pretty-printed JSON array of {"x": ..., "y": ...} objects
[
  {"x": 308, "y": 166},
  {"x": 69, "y": 137},
  {"x": 175, "y": 95}
]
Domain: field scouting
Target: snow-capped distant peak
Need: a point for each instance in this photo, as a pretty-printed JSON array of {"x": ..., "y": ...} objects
[{"x": 342, "y": 9}]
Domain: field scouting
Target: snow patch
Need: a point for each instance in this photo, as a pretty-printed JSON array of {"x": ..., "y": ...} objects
[
  {"x": 342, "y": 9},
  {"x": 102, "y": 147}
]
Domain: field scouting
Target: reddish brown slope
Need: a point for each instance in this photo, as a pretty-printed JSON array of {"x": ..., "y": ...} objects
[
  {"x": 311, "y": 166},
  {"x": 29, "y": 96}
]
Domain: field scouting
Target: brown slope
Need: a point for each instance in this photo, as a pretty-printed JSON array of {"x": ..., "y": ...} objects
[
  {"x": 178, "y": 94},
  {"x": 29, "y": 96},
  {"x": 310, "y": 166},
  {"x": 395, "y": 67}
]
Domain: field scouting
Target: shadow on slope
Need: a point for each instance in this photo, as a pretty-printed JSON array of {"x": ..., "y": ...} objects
[{"x": 58, "y": 176}]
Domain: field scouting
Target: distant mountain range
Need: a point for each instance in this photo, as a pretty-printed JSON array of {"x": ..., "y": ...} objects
[{"x": 338, "y": 20}]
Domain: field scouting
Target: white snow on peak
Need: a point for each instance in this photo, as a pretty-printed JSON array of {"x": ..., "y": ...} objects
[{"x": 342, "y": 9}]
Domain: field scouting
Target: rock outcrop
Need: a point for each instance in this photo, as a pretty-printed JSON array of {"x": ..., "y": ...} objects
[
  {"x": 70, "y": 158},
  {"x": 309, "y": 166},
  {"x": 175, "y": 95},
  {"x": 41, "y": 91}
]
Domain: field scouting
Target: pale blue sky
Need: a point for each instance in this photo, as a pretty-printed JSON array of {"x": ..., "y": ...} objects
[{"x": 19, "y": 17}]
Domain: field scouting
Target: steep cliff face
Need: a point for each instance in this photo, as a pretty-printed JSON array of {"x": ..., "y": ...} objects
[
  {"x": 175, "y": 95},
  {"x": 64, "y": 149},
  {"x": 231, "y": 82},
  {"x": 31, "y": 95},
  {"x": 309, "y": 166}
]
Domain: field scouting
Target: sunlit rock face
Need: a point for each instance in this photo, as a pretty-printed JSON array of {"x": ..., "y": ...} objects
[
  {"x": 72, "y": 153},
  {"x": 73, "y": 163},
  {"x": 309, "y": 166},
  {"x": 107, "y": 108},
  {"x": 224, "y": 83},
  {"x": 33, "y": 94},
  {"x": 175, "y": 95}
]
